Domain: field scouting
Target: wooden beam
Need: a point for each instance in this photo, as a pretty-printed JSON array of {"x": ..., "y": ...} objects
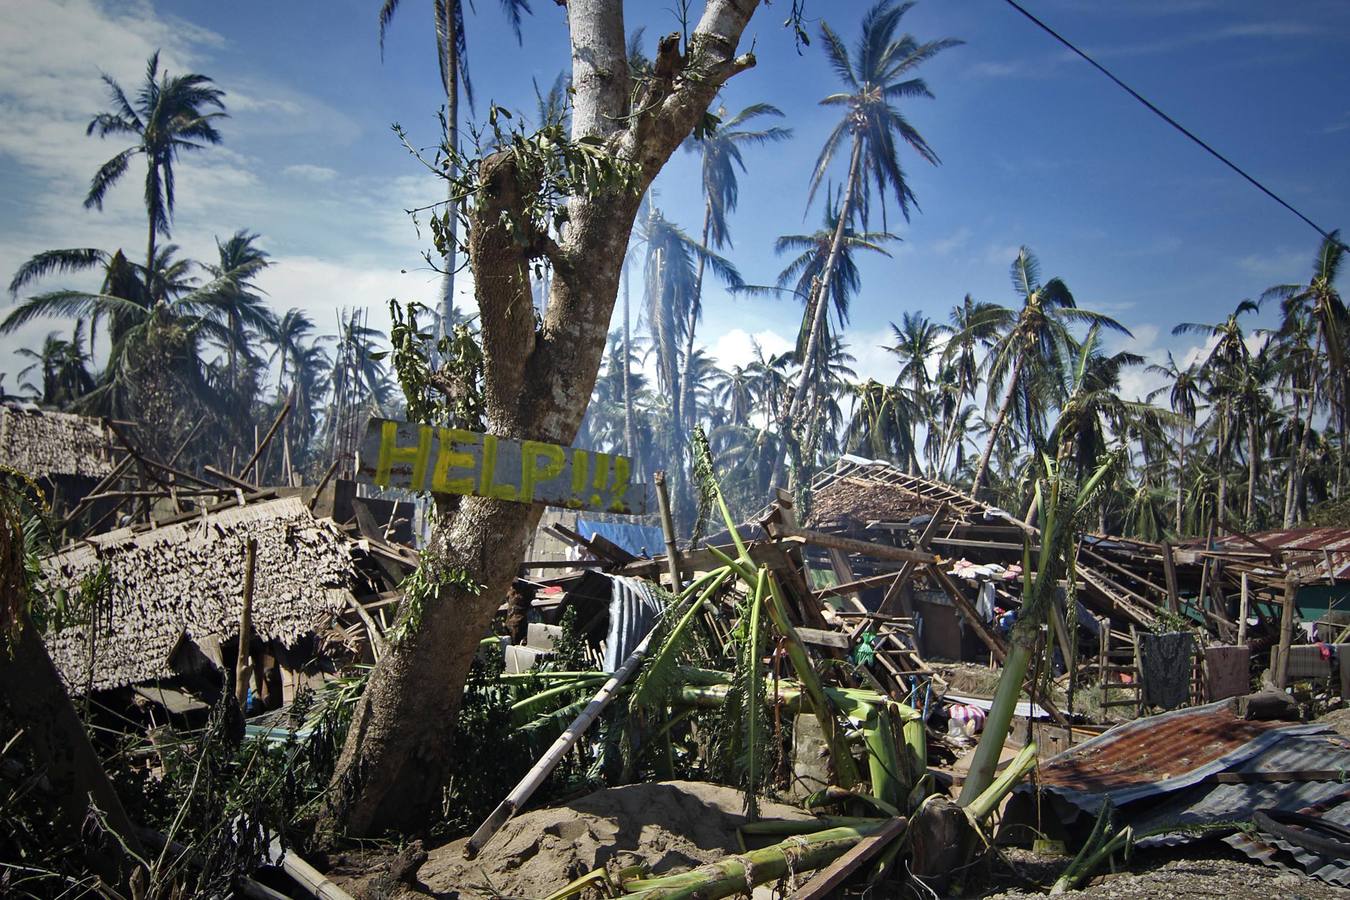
[
  {"x": 1170, "y": 573},
  {"x": 824, "y": 882},
  {"x": 262, "y": 445},
  {"x": 1286, "y": 630},
  {"x": 850, "y": 545}
]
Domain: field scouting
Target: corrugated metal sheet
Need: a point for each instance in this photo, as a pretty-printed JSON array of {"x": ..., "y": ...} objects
[
  {"x": 1160, "y": 754},
  {"x": 1310, "y": 545},
  {"x": 1204, "y": 804},
  {"x": 1275, "y": 852}
]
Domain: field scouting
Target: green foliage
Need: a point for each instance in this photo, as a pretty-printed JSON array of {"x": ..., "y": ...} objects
[
  {"x": 450, "y": 394},
  {"x": 549, "y": 167},
  {"x": 421, "y": 587},
  {"x": 490, "y": 756},
  {"x": 744, "y": 743}
]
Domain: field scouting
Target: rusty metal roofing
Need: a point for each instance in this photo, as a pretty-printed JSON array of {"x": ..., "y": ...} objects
[
  {"x": 1307, "y": 548},
  {"x": 1159, "y": 754}
]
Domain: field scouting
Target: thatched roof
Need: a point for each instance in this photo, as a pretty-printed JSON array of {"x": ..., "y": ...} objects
[
  {"x": 188, "y": 579},
  {"x": 40, "y": 443}
]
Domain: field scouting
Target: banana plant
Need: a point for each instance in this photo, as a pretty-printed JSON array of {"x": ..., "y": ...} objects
[{"x": 1065, "y": 506}]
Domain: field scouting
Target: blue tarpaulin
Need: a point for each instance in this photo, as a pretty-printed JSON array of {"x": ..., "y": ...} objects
[{"x": 639, "y": 540}]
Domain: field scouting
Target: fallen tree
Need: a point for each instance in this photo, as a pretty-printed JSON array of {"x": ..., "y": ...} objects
[{"x": 537, "y": 375}]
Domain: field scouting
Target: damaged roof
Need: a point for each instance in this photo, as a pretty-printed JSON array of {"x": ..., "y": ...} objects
[
  {"x": 43, "y": 443},
  {"x": 187, "y": 579},
  {"x": 1159, "y": 754},
  {"x": 866, "y": 490},
  {"x": 1307, "y": 549}
]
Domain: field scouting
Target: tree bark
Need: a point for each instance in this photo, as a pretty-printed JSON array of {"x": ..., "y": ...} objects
[
  {"x": 983, "y": 467},
  {"x": 537, "y": 383},
  {"x": 451, "y": 70},
  {"x": 1181, "y": 475},
  {"x": 819, "y": 304},
  {"x": 627, "y": 357}
]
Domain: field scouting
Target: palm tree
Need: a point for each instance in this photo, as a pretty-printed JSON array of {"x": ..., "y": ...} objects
[
  {"x": 805, "y": 270},
  {"x": 916, "y": 341},
  {"x": 972, "y": 327},
  {"x": 1320, "y": 303},
  {"x": 1220, "y": 369},
  {"x": 169, "y": 116},
  {"x": 241, "y": 310},
  {"x": 878, "y": 73},
  {"x": 1182, "y": 395},
  {"x": 1031, "y": 346},
  {"x": 1093, "y": 410},
  {"x": 721, "y": 151},
  {"x": 62, "y": 367},
  {"x": 880, "y": 424},
  {"x": 452, "y": 56}
]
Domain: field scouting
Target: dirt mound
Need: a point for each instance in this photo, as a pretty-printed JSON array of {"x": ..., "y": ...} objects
[{"x": 671, "y": 825}]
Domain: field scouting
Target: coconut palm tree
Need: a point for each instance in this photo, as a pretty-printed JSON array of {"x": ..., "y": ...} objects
[
  {"x": 878, "y": 74},
  {"x": 1093, "y": 410},
  {"x": 1182, "y": 396},
  {"x": 1318, "y": 302},
  {"x": 806, "y": 269},
  {"x": 1032, "y": 344},
  {"x": 170, "y": 115},
  {"x": 62, "y": 369},
  {"x": 241, "y": 312},
  {"x": 916, "y": 342},
  {"x": 1219, "y": 370},
  {"x": 721, "y": 151},
  {"x": 452, "y": 56}
]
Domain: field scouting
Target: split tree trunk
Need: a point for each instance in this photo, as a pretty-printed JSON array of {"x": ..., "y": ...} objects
[{"x": 537, "y": 383}]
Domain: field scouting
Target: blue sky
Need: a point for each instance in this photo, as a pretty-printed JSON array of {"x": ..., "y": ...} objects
[{"x": 1036, "y": 149}]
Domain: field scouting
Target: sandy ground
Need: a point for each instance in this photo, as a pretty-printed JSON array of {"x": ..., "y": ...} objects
[{"x": 671, "y": 825}]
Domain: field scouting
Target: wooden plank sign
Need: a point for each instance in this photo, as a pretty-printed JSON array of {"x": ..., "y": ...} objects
[{"x": 454, "y": 461}]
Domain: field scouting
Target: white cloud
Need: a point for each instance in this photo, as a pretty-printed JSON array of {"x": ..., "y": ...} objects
[
  {"x": 308, "y": 172},
  {"x": 737, "y": 346}
]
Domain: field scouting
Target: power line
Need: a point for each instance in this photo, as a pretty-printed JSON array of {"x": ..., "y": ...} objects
[{"x": 1175, "y": 124}]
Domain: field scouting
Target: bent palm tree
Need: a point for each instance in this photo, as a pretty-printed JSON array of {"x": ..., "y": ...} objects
[
  {"x": 169, "y": 116},
  {"x": 878, "y": 73}
]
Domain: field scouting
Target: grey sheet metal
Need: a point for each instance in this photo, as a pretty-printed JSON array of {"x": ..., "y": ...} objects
[{"x": 633, "y": 611}]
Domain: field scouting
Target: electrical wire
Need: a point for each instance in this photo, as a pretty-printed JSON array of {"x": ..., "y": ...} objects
[{"x": 1175, "y": 124}]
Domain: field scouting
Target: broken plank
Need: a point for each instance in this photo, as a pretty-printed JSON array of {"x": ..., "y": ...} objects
[
  {"x": 851, "y": 545},
  {"x": 823, "y": 638},
  {"x": 824, "y": 882}
]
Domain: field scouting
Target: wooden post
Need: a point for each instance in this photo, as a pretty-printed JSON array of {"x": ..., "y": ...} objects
[
  {"x": 260, "y": 445},
  {"x": 1243, "y": 608},
  {"x": 668, "y": 529},
  {"x": 243, "y": 670},
  {"x": 1286, "y": 630},
  {"x": 1170, "y": 571}
]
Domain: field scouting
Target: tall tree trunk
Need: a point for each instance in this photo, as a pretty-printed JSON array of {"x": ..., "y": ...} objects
[
  {"x": 819, "y": 304},
  {"x": 150, "y": 262},
  {"x": 1181, "y": 474},
  {"x": 695, "y": 309},
  {"x": 451, "y": 69},
  {"x": 1253, "y": 464},
  {"x": 1297, "y": 499},
  {"x": 982, "y": 468},
  {"x": 537, "y": 382}
]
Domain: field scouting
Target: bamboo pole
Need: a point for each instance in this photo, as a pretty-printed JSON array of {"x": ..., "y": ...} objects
[
  {"x": 262, "y": 445},
  {"x": 738, "y": 874},
  {"x": 243, "y": 668},
  {"x": 668, "y": 530},
  {"x": 311, "y": 879}
]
